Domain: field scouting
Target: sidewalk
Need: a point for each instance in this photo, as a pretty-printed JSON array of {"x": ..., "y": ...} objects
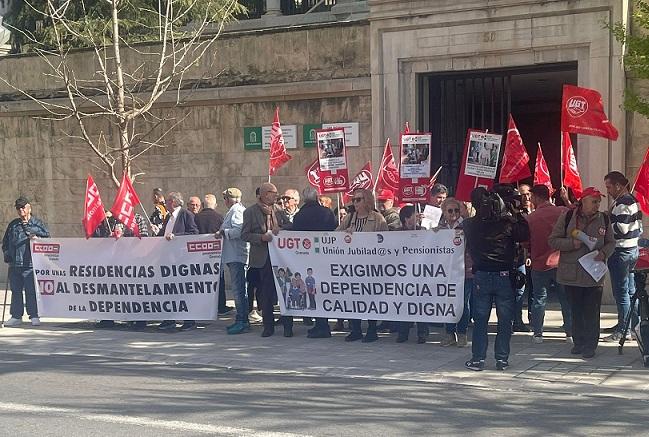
[{"x": 546, "y": 367}]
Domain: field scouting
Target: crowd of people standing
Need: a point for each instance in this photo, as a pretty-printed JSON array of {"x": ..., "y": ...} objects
[{"x": 517, "y": 239}]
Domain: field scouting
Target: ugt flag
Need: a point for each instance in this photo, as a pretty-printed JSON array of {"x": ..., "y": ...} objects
[
  {"x": 313, "y": 174},
  {"x": 541, "y": 171},
  {"x": 515, "y": 162},
  {"x": 388, "y": 176},
  {"x": 124, "y": 205},
  {"x": 641, "y": 186},
  {"x": 278, "y": 155},
  {"x": 571, "y": 176},
  {"x": 582, "y": 112},
  {"x": 93, "y": 208},
  {"x": 362, "y": 180}
]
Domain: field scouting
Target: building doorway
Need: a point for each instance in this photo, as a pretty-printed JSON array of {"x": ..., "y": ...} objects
[{"x": 452, "y": 103}]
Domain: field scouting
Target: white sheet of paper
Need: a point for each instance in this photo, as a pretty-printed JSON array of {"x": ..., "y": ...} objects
[
  {"x": 596, "y": 269},
  {"x": 432, "y": 214}
]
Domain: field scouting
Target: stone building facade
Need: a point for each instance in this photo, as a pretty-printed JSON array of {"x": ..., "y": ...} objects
[{"x": 443, "y": 65}]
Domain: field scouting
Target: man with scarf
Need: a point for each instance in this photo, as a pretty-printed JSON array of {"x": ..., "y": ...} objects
[{"x": 260, "y": 223}]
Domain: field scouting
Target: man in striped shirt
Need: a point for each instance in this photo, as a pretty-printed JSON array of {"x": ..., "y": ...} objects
[{"x": 626, "y": 220}]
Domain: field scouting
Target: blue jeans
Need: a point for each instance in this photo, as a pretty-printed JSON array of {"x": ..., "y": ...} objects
[
  {"x": 238, "y": 280},
  {"x": 490, "y": 288},
  {"x": 542, "y": 281},
  {"x": 462, "y": 326},
  {"x": 620, "y": 265},
  {"x": 22, "y": 279}
]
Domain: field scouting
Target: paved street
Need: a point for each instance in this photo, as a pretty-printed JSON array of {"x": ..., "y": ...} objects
[{"x": 66, "y": 378}]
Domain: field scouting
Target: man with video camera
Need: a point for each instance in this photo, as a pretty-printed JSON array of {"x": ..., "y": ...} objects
[{"x": 491, "y": 239}]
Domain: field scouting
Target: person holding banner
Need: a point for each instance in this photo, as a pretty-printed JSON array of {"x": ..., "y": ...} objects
[
  {"x": 314, "y": 217},
  {"x": 491, "y": 238},
  {"x": 178, "y": 222},
  {"x": 363, "y": 219},
  {"x": 452, "y": 218},
  {"x": 16, "y": 248},
  {"x": 235, "y": 256},
  {"x": 409, "y": 222},
  {"x": 260, "y": 223}
]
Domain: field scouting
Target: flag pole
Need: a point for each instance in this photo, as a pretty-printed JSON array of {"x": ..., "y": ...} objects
[
  {"x": 338, "y": 207},
  {"x": 561, "y": 157}
]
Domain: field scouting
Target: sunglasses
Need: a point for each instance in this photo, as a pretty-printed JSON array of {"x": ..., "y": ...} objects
[
  {"x": 357, "y": 199},
  {"x": 453, "y": 210}
]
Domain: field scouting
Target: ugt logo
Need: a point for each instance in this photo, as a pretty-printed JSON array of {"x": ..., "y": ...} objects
[{"x": 577, "y": 106}]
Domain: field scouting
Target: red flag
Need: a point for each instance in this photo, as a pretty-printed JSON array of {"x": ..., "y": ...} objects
[
  {"x": 582, "y": 112},
  {"x": 514, "y": 166},
  {"x": 641, "y": 186},
  {"x": 571, "y": 176},
  {"x": 541, "y": 172},
  {"x": 93, "y": 208},
  {"x": 388, "y": 176},
  {"x": 278, "y": 155},
  {"x": 124, "y": 205},
  {"x": 362, "y": 180},
  {"x": 406, "y": 128},
  {"x": 313, "y": 174}
]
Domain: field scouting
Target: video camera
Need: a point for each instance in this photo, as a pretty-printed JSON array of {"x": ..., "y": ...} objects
[{"x": 501, "y": 201}]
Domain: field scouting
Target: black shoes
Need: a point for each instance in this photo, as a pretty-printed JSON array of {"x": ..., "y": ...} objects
[
  {"x": 502, "y": 364},
  {"x": 167, "y": 325},
  {"x": 421, "y": 340},
  {"x": 476, "y": 365},
  {"x": 288, "y": 331},
  {"x": 105, "y": 324},
  {"x": 313, "y": 333},
  {"x": 588, "y": 354},
  {"x": 353, "y": 336},
  {"x": 576, "y": 350},
  {"x": 267, "y": 332},
  {"x": 188, "y": 326},
  {"x": 520, "y": 327},
  {"x": 370, "y": 337}
]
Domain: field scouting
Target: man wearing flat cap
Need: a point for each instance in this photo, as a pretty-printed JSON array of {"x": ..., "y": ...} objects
[{"x": 16, "y": 247}]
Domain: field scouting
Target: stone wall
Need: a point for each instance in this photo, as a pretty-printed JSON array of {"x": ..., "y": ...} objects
[{"x": 315, "y": 74}]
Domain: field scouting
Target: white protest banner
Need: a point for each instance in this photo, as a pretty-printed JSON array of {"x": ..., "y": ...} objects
[
  {"x": 129, "y": 278},
  {"x": 332, "y": 156},
  {"x": 410, "y": 275},
  {"x": 414, "y": 171}
]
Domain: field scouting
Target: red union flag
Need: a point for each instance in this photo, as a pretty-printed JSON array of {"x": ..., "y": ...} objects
[
  {"x": 362, "y": 180},
  {"x": 641, "y": 186},
  {"x": 515, "y": 161},
  {"x": 313, "y": 174},
  {"x": 93, "y": 208},
  {"x": 571, "y": 176},
  {"x": 278, "y": 155},
  {"x": 582, "y": 112},
  {"x": 124, "y": 205},
  {"x": 541, "y": 171},
  {"x": 388, "y": 176}
]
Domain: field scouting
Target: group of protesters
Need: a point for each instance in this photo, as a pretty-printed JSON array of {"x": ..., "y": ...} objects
[{"x": 517, "y": 239}]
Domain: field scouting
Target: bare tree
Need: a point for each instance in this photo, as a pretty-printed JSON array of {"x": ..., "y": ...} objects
[{"x": 125, "y": 93}]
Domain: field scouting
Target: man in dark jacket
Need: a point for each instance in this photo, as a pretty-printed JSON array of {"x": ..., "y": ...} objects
[
  {"x": 208, "y": 220},
  {"x": 315, "y": 217},
  {"x": 179, "y": 221},
  {"x": 16, "y": 247},
  {"x": 491, "y": 238}
]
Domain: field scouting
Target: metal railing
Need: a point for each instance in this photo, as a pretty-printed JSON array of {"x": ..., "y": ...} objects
[
  {"x": 257, "y": 8},
  {"x": 294, "y": 7}
]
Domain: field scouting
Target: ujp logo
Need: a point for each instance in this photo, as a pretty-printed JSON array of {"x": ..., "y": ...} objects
[
  {"x": 204, "y": 246},
  {"x": 577, "y": 106},
  {"x": 46, "y": 248}
]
